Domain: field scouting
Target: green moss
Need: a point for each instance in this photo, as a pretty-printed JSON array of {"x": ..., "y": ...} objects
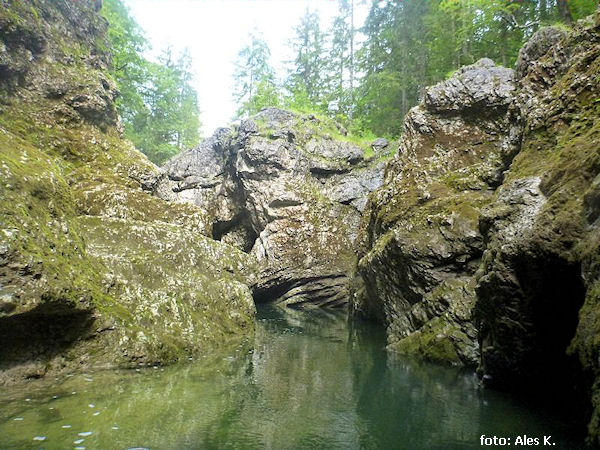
[
  {"x": 438, "y": 341},
  {"x": 37, "y": 211},
  {"x": 80, "y": 233}
]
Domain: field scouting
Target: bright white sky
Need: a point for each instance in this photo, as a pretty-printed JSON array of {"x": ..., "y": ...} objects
[{"x": 215, "y": 30}]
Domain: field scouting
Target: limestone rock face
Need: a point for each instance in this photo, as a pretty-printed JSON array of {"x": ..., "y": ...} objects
[
  {"x": 537, "y": 286},
  {"x": 483, "y": 245},
  {"x": 421, "y": 240},
  {"x": 90, "y": 260},
  {"x": 482, "y": 87},
  {"x": 289, "y": 190},
  {"x": 539, "y": 44}
]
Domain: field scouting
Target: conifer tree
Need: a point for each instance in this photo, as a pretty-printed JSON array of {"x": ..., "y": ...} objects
[{"x": 254, "y": 78}]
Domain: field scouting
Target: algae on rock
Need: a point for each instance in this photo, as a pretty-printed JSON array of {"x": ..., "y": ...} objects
[{"x": 90, "y": 261}]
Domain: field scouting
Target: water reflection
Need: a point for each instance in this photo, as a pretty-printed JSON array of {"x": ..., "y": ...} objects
[{"x": 309, "y": 381}]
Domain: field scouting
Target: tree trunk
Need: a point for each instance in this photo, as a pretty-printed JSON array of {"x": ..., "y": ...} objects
[{"x": 564, "y": 11}]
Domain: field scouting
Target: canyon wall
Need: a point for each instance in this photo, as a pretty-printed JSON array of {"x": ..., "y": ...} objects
[{"x": 482, "y": 246}]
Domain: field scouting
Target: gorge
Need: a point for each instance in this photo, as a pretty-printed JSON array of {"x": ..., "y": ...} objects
[{"x": 473, "y": 241}]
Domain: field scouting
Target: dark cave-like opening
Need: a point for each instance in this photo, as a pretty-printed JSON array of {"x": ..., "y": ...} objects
[
  {"x": 556, "y": 292},
  {"x": 38, "y": 335},
  {"x": 241, "y": 226}
]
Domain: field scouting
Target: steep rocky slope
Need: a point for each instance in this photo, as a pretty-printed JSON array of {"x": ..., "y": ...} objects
[
  {"x": 542, "y": 231},
  {"x": 482, "y": 247},
  {"x": 421, "y": 244},
  {"x": 90, "y": 261},
  {"x": 289, "y": 189}
]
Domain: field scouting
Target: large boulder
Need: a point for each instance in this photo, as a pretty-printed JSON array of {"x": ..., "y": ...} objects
[
  {"x": 90, "y": 260},
  {"x": 480, "y": 88},
  {"x": 421, "y": 239},
  {"x": 289, "y": 189}
]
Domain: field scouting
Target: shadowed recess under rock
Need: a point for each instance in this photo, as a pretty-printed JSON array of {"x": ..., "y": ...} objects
[
  {"x": 29, "y": 340},
  {"x": 315, "y": 292}
]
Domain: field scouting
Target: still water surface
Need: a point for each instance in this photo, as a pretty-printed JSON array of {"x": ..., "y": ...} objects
[{"x": 308, "y": 381}]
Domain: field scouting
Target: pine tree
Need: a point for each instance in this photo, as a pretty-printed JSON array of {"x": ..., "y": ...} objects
[
  {"x": 341, "y": 67},
  {"x": 307, "y": 76},
  {"x": 394, "y": 62},
  {"x": 129, "y": 67},
  {"x": 158, "y": 105},
  {"x": 254, "y": 78}
]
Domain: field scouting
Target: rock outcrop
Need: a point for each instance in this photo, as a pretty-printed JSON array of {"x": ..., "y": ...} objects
[
  {"x": 289, "y": 189},
  {"x": 421, "y": 241},
  {"x": 90, "y": 260},
  {"x": 537, "y": 287},
  {"x": 483, "y": 245}
]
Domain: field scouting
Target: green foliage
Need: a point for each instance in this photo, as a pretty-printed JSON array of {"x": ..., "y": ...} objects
[
  {"x": 254, "y": 78},
  {"x": 307, "y": 76},
  {"x": 127, "y": 43},
  {"x": 158, "y": 105},
  {"x": 267, "y": 94},
  {"x": 412, "y": 44},
  {"x": 340, "y": 75},
  {"x": 169, "y": 121},
  {"x": 407, "y": 46},
  {"x": 582, "y": 8},
  {"x": 298, "y": 100}
]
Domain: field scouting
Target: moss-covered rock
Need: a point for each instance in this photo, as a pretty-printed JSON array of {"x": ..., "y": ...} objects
[
  {"x": 287, "y": 188},
  {"x": 537, "y": 285},
  {"x": 421, "y": 239},
  {"x": 486, "y": 230},
  {"x": 94, "y": 269}
]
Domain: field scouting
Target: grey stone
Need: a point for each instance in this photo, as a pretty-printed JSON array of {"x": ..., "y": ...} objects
[
  {"x": 284, "y": 190},
  {"x": 482, "y": 86},
  {"x": 539, "y": 44}
]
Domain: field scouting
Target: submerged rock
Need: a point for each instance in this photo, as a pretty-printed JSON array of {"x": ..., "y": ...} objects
[{"x": 290, "y": 190}]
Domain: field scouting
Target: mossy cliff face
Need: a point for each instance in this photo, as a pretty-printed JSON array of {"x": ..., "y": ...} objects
[
  {"x": 537, "y": 286},
  {"x": 90, "y": 261},
  {"x": 289, "y": 189},
  {"x": 482, "y": 247},
  {"x": 421, "y": 240}
]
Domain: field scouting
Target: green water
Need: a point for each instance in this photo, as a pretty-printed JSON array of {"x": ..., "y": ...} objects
[{"x": 308, "y": 381}]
